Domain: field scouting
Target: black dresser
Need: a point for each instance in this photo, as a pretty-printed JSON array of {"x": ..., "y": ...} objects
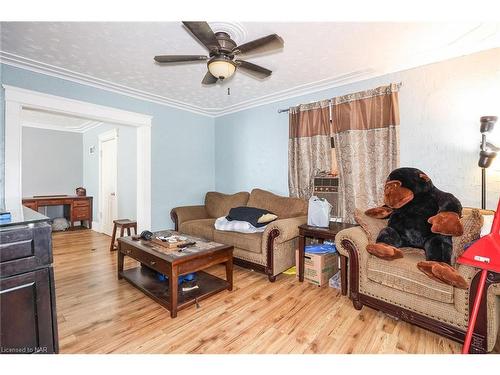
[{"x": 28, "y": 321}]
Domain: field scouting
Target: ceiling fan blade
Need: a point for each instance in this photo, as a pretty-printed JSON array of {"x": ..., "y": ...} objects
[
  {"x": 209, "y": 79},
  {"x": 179, "y": 58},
  {"x": 264, "y": 44},
  {"x": 253, "y": 69},
  {"x": 202, "y": 31}
]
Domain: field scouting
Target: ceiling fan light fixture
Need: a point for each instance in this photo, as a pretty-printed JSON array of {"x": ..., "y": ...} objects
[
  {"x": 222, "y": 51},
  {"x": 221, "y": 68}
]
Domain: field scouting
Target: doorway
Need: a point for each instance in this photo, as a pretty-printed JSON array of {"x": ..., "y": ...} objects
[
  {"x": 108, "y": 172},
  {"x": 17, "y": 98}
]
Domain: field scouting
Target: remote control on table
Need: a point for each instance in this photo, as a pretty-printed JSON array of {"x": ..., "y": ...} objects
[{"x": 187, "y": 244}]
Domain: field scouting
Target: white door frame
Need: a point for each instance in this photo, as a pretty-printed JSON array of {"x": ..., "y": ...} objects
[
  {"x": 17, "y": 98},
  {"x": 103, "y": 137}
]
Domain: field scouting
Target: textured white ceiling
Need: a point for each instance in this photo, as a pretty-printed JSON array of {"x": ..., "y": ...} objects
[{"x": 315, "y": 54}]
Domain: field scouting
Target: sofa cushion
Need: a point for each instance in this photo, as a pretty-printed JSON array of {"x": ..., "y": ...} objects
[
  {"x": 218, "y": 204},
  {"x": 246, "y": 241},
  {"x": 203, "y": 228},
  {"x": 284, "y": 207},
  {"x": 403, "y": 274}
]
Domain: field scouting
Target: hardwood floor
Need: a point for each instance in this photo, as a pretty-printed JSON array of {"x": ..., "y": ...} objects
[{"x": 99, "y": 314}]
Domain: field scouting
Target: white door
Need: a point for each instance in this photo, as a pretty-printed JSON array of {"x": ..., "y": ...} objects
[{"x": 108, "y": 199}]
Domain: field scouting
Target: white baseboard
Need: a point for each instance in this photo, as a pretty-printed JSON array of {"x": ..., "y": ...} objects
[{"x": 96, "y": 226}]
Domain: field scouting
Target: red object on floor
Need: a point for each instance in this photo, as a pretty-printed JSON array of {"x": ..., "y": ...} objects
[{"x": 483, "y": 254}]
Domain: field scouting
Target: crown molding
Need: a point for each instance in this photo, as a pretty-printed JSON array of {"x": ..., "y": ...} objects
[
  {"x": 83, "y": 79},
  {"x": 84, "y": 127},
  {"x": 300, "y": 90},
  {"x": 305, "y": 89},
  {"x": 74, "y": 108}
]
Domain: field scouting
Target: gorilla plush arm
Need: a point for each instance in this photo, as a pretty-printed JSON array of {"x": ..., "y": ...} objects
[
  {"x": 447, "y": 202},
  {"x": 382, "y": 212},
  {"x": 447, "y": 221}
]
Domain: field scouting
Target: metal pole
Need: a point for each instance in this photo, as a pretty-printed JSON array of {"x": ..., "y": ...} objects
[
  {"x": 483, "y": 188},
  {"x": 284, "y": 110}
]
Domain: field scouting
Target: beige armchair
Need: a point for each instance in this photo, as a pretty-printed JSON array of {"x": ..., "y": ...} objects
[{"x": 399, "y": 289}]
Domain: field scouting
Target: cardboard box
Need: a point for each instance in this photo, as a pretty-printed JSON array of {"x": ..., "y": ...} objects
[{"x": 318, "y": 268}]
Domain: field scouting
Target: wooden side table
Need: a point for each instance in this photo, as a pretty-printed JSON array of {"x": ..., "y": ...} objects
[
  {"x": 321, "y": 234},
  {"x": 122, "y": 224}
]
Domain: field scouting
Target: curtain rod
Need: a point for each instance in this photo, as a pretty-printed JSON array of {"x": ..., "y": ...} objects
[{"x": 285, "y": 110}]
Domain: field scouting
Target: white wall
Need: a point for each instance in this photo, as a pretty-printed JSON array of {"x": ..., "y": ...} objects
[
  {"x": 52, "y": 162},
  {"x": 57, "y": 162},
  {"x": 440, "y": 109},
  {"x": 440, "y": 106}
]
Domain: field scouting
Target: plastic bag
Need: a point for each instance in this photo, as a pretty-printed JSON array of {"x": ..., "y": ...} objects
[
  {"x": 59, "y": 224},
  {"x": 318, "y": 214},
  {"x": 334, "y": 281}
]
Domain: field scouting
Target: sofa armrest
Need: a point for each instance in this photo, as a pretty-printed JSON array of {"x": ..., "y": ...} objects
[
  {"x": 180, "y": 215},
  {"x": 284, "y": 229},
  {"x": 467, "y": 272},
  {"x": 356, "y": 236},
  {"x": 352, "y": 242}
]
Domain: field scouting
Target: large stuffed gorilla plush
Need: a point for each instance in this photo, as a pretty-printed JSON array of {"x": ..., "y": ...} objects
[{"x": 422, "y": 216}]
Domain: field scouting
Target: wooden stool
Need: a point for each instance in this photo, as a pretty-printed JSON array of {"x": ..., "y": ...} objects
[{"x": 122, "y": 224}]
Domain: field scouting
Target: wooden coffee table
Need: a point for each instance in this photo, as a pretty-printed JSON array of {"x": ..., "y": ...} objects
[{"x": 172, "y": 263}]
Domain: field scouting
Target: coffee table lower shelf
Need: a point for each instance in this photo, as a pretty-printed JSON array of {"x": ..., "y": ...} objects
[{"x": 145, "y": 280}]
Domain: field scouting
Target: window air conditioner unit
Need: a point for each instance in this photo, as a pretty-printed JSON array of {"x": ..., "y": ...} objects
[{"x": 327, "y": 187}]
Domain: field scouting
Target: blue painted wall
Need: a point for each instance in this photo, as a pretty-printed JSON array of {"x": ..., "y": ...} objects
[
  {"x": 182, "y": 142},
  {"x": 440, "y": 106},
  {"x": 251, "y": 150}
]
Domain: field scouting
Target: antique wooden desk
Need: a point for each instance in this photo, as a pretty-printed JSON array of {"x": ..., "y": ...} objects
[{"x": 76, "y": 208}]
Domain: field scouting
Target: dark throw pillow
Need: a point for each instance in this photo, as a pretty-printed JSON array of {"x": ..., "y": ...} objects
[{"x": 255, "y": 216}]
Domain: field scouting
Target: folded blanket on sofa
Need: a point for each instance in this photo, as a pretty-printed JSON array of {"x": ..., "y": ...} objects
[
  {"x": 236, "y": 226},
  {"x": 255, "y": 216}
]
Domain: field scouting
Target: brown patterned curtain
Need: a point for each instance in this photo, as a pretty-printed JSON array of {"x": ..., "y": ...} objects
[
  {"x": 366, "y": 134},
  {"x": 309, "y": 146}
]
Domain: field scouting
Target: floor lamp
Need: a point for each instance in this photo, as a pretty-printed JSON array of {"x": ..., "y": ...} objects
[{"x": 487, "y": 154}]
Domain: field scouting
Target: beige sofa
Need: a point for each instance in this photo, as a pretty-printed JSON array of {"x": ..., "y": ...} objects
[
  {"x": 270, "y": 252},
  {"x": 400, "y": 289}
]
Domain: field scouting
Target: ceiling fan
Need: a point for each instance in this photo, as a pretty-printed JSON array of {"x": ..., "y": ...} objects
[{"x": 223, "y": 51}]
